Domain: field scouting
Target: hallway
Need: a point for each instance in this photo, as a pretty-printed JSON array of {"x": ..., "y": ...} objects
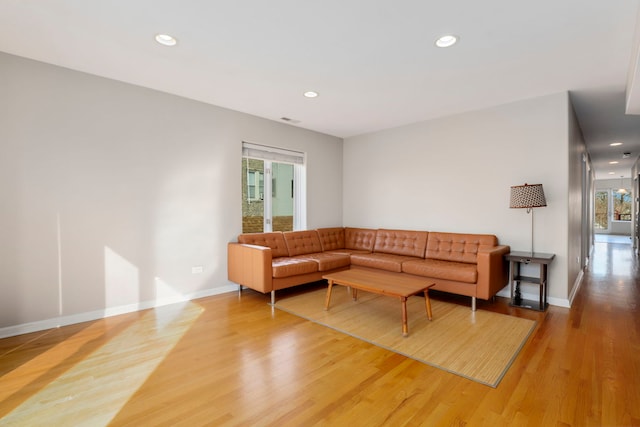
[
  {"x": 605, "y": 322},
  {"x": 612, "y": 280}
]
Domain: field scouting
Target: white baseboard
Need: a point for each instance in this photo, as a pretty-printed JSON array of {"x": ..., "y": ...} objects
[
  {"x": 560, "y": 302},
  {"x": 57, "y": 322},
  {"x": 576, "y": 287}
]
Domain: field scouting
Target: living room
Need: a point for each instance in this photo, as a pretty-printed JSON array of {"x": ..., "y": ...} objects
[
  {"x": 114, "y": 192},
  {"x": 117, "y": 197}
]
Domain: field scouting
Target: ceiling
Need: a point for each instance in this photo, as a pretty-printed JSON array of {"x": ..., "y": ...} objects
[{"x": 373, "y": 62}]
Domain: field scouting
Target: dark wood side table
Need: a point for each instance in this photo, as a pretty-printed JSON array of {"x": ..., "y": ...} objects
[{"x": 516, "y": 259}]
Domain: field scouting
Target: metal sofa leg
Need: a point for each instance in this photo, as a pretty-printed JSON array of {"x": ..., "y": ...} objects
[
  {"x": 473, "y": 303},
  {"x": 273, "y": 297}
]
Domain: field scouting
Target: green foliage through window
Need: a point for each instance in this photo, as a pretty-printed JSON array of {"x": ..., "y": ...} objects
[
  {"x": 602, "y": 210},
  {"x": 621, "y": 206},
  {"x": 611, "y": 206}
]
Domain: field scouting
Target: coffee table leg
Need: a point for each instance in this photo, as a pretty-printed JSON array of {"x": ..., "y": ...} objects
[
  {"x": 328, "y": 299},
  {"x": 354, "y": 294},
  {"x": 405, "y": 326},
  {"x": 427, "y": 302}
]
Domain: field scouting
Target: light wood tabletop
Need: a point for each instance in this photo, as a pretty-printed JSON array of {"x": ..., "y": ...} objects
[{"x": 381, "y": 282}]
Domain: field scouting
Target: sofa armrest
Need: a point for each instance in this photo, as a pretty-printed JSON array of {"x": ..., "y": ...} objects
[
  {"x": 250, "y": 265},
  {"x": 493, "y": 271}
]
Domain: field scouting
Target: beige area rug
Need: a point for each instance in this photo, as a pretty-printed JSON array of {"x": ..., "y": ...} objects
[{"x": 477, "y": 345}]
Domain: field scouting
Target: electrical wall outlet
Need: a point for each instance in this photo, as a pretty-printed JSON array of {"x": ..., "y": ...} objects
[{"x": 198, "y": 269}]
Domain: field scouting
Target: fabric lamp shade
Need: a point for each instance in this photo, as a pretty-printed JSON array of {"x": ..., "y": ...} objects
[{"x": 527, "y": 196}]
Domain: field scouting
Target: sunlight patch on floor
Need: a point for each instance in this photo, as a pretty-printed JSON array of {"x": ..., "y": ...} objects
[{"x": 94, "y": 391}]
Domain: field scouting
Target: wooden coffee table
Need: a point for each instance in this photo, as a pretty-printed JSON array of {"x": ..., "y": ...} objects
[{"x": 397, "y": 285}]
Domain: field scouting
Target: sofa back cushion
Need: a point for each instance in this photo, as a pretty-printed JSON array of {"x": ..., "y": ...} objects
[
  {"x": 458, "y": 247},
  {"x": 401, "y": 242},
  {"x": 302, "y": 242},
  {"x": 361, "y": 239},
  {"x": 331, "y": 238},
  {"x": 274, "y": 240}
]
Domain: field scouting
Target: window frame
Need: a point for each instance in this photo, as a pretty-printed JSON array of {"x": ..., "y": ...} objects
[
  {"x": 279, "y": 155},
  {"x": 612, "y": 209},
  {"x": 258, "y": 194},
  {"x": 607, "y": 193},
  {"x": 612, "y": 195}
]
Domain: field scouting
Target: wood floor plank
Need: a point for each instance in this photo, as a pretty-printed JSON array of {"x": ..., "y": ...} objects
[{"x": 230, "y": 360}]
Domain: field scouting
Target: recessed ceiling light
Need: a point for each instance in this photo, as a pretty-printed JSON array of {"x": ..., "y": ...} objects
[
  {"x": 166, "y": 40},
  {"x": 613, "y": 163},
  {"x": 615, "y": 144},
  {"x": 446, "y": 40},
  {"x": 311, "y": 94},
  {"x": 612, "y": 173}
]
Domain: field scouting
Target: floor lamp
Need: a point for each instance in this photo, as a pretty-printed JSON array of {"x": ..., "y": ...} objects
[{"x": 528, "y": 196}]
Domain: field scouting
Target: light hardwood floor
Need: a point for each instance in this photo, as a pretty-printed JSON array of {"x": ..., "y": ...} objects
[{"x": 233, "y": 360}]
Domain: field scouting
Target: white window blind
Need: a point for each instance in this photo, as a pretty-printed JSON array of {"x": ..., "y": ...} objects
[{"x": 274, "y": 154}]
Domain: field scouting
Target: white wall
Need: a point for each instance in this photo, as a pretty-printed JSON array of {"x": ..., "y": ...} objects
[
  {"x": 454, "y": 174},
  {"x": 578, "y": 233},
  {"x": 635, "y": 170},
  {"x": 111, "y": 193}
]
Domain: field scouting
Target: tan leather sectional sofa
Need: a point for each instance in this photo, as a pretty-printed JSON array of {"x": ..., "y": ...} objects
[{"x": 464, "y": 264}]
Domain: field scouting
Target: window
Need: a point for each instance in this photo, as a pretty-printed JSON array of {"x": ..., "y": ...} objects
[
  {"x": 273, "y": 184},
  {"x": 621, "y": 206},
  {"x": 255, "y": 185},
  {"x": 602, "y": 210},
  {"x": 611, "y": 205}
]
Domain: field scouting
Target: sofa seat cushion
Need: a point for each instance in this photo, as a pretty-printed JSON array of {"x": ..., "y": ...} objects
[
  {"x": 287, "y": 267},
  {"x": 381, "y": 261},
  {"x": 328, "y": 261},
  {"x": 446, "y": 270}
]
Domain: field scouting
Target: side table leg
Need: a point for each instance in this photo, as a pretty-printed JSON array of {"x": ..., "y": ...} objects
[
  {"x": 511, "y": 272},
  {"x": 545, "y": 287},
  {"x": 542, "y": 285}
]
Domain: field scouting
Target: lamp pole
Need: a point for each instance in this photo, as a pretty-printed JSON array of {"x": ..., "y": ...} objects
[{"x": 531, "y": 209}]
